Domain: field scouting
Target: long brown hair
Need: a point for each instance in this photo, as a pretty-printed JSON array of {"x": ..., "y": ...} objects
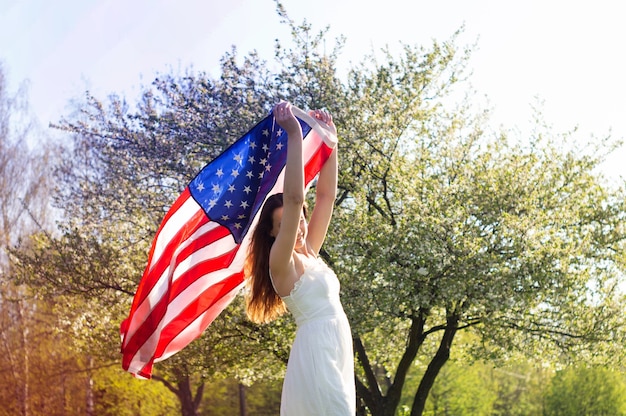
[{"x": 262, "y": 302}]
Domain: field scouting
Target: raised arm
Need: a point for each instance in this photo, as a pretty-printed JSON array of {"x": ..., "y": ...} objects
[
  {"x": 281, "y": 265},
  {"x": 325, "y": 192}
]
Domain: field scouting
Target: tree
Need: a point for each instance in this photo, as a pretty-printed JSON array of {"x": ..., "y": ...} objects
[
  {"x": 24, "y": 190},
  {"x": 586, "y": 390},
  {"x": 450, "y": 228},
  {"x": 261, "y": 398}
]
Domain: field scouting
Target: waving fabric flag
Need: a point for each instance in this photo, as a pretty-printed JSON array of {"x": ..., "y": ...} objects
[{"x": 195, "y": 265}]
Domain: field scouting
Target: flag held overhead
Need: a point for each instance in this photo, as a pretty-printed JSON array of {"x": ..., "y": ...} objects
[{"x": 195, "y": 264}]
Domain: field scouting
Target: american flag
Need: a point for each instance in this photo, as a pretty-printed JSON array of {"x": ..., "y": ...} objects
[{"x": 195, "y": 264}]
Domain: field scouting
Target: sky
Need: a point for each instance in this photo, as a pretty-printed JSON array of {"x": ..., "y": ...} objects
[{"x": 570, "y": 55}]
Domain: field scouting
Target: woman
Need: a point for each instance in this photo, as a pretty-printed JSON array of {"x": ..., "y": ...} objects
[{"x": 284, "y": 269}]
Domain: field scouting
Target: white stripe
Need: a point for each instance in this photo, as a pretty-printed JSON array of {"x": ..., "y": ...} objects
[
  {"x": 211, "y": 251},
  {"x": 145, "y": 353},
  {"x": 174, "y": 308},
  {"x": 312, "y": 142},
  {"x": 191, "y": 293},
  {"x": 145, "y": 308},
  {"x": 172, "y": 227},
  {"x": 199, "y": 325}
]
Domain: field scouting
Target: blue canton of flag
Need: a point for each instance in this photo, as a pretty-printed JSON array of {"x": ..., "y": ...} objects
[{"x": 232, "y": 188}]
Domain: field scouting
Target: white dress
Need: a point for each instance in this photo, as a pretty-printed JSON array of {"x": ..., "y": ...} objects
[{"x": 320, "y": 373}]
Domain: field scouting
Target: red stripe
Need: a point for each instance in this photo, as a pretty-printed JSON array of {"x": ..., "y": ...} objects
[
  {"x": 201, "y": 242},
  {"x": 199, "y": 270},
  {"x": 316, "y": 162},
  {"x": 201, "y": 304},
  {"x": 208, "y": 317},
  {"x": 143, "y": 333},
  {"x": 152, "y": 275}
]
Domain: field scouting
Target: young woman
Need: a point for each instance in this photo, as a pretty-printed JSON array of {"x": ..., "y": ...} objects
[{"x": 284, "y": 269}]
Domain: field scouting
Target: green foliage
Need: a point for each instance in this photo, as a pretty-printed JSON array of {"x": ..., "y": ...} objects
[
  {"x": 117, "y": 394},
  {"x": 584, "y": 390},
  {"x": 519, "y": 385},
  {"x": 466, "y": 386},
  {"x": 223, "y": 398},
  {"x": 462, "y": 390}
]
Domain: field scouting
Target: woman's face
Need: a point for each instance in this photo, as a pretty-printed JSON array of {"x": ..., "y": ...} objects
[{"x": 302, "y": 227}]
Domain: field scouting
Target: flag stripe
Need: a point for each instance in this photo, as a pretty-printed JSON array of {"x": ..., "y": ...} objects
[
  {"x": 206, "y": 247},
  {"x": 208, "y": 290},
  {"x": 184, "y": 210},
  {"x": 195, "y": 328},
  {"x": 152, "y": 289},
  {"x": 168, "y": 290}
]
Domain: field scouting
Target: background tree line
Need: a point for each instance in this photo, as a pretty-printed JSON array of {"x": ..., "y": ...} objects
[{"x": 462, "y": 250}]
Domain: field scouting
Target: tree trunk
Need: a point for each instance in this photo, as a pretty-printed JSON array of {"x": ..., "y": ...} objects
[
  {"x": 186, "y": 399},
  {"x": 242, "y": 400},
  {"x": 89, "y": 409},
  {"x": 25, "y": 387},
  {"x": 188, "y": 402},
  {"x": 372, "y": 397},
  {"x": 441, "y": 357}
]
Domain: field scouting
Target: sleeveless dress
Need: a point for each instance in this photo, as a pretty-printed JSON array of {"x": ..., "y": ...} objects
[{"x": 320, "y": 373}]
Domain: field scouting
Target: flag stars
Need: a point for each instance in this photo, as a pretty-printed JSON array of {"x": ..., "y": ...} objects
[
  {"x": 252, "y": 145},
  {"x": 234, "y": 173},
  {"x": 231, "y": 188},
  {"x": 219, "y": 173},
  {"x": 266, "y": 132},
  {"x": 212, "y": 203},
  {"x": 279, "y": 132},
  {"x": 265, "y": 147},
  {"x": 228, "y": 204},
  {"x": 238, "y": 158},
  {"x": 251, "y": 159},
  {"x": 263, "y": 161},
  {"x": 200, "y": 187},
  {"x": 247, "y": 189},
  {"x": 225, "y": 217},
  {"x": 279, "y": 146},
  {"x": 268, "y": 167},
  {"x": 249, "y": 174},
  {"x": 216, "y": 188},
  {"x": 237, "y": 225},
  {"x": 244, "y": 204}
]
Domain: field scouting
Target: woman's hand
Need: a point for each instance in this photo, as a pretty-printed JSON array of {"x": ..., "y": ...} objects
[
  {"x": 285, "y": 118},
  {"x": 325, "y": 117}
]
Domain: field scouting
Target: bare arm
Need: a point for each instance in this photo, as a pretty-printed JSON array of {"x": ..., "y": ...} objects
[
  {"x": 325, "y": 194},
  {"x": 281, "y": 264}
]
